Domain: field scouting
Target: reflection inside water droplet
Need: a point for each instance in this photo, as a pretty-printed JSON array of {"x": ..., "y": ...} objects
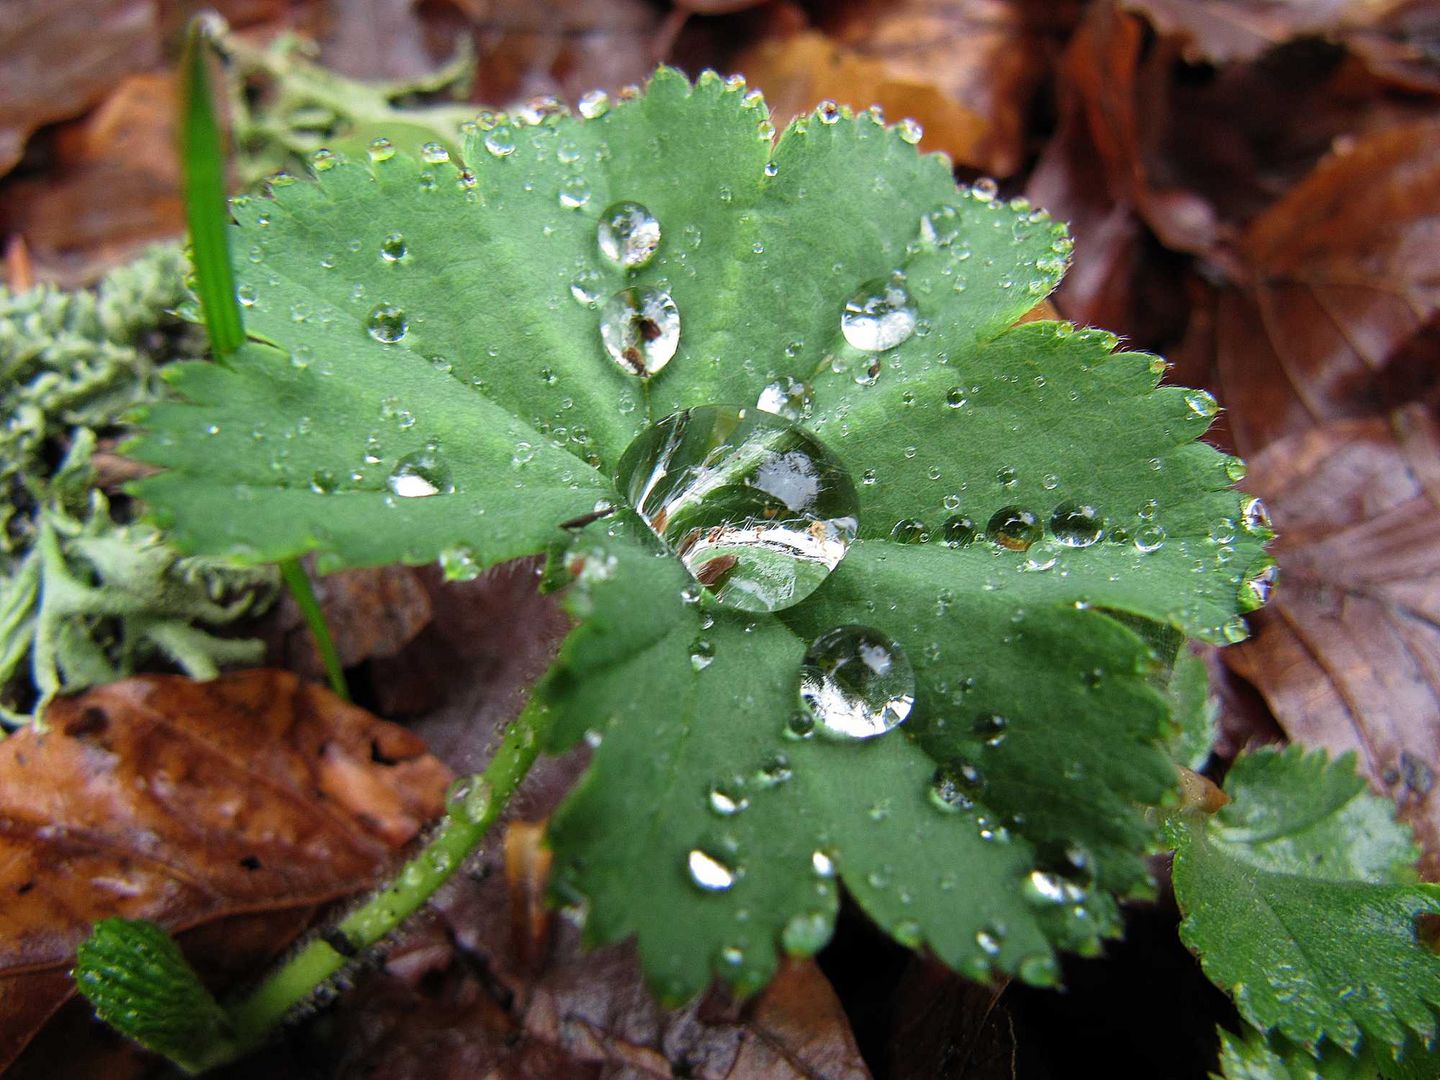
[
  {"x": 1076, "y": 525},
  {"x": 856, "y": 682},
  {"x": 879, "y": 316},
  {"x": 628, "y": 235},
  {"x": 758, "y": 509},
  {"x": 640, "y": 329},
  {"x": 1014, "y": 528}
]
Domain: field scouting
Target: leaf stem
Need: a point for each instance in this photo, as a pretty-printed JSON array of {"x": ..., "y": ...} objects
[
  {"x": 298, "y": 582},
  {"x": 472, "y": 806}
]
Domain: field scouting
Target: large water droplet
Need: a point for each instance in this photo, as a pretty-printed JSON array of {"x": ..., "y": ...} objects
[
  {"x": 708, "y": 872},
  {"x": 640, "y": 329},
  {"x": 758, "y": 509},
  {"x": 1014, "y": 528},
  {"x": 1076, "y": 525},
  {"x": 879, "y": 316},
  {"x": 1255, "y": 518},
  {"x": 856, "y": 682},
  {"x": 419, "y": 475},
  {"x": 387, "y": 323},
  {"x": 629, "y": 235}
]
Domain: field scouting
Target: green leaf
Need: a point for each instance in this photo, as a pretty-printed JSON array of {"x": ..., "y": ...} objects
[
  {"x": 408, "y": 310},
  {"x": 1260, "y": 1057},
  {"x": 1300, "y": 900},
  {"x": 1194, "y": 709},
  {"x": 689, "y": 708},
  {"x": 139, "y": 982}
]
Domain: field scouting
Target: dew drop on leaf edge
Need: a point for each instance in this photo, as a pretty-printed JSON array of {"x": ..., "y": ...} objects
[{"x": 757, "y": 509}]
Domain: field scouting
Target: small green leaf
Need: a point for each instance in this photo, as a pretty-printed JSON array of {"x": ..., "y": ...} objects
[
  {"x": 1273, "y": 1057},
  {"x": 1300, "y": 900},
  {"x": 139, "y": 982}
]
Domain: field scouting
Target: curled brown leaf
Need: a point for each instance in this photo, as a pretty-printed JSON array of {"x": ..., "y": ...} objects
[{"x": 187, "y": 803}]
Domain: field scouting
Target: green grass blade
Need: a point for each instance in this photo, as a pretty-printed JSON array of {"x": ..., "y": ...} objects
[{"x": 202, "y": 164}]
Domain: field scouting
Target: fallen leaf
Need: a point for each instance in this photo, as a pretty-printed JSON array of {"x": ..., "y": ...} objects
[
  {"x": 967, "y": 70},
  {"x": 183, "y": 802},
  {"x": 1347, "y": 654},
  {"x": 586, "y": 1016},
  {"x": 551, "y": 46},
  {"x": 113, "y": 186},
  {"x": 1229, "y": 30},
  {"x": 372, "y": 613},
  {"x": 1340, "y": 273},
  {"x": 56, "y": 60}
]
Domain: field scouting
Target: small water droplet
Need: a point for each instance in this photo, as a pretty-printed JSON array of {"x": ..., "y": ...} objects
[
  {"x": 1014, "y": 529},
  {"x": 1255, "y": 518},
  {"x": 1149, "y": 538},
  {"x": 702, "y": 654},
  {"x": 1077, "y": 524},
  {"x": 500, "y": 141},
  {"x": 728, "y": 798},
  {"x": 909, "y": 131},
  {"x": 1235, "y": 469},
  {"x": 775, "y": 771},
  {"x": 468, "y": 798},
  {"x": 990, "y": 728},
  {"x": 387, "y": 323},
  {"x": 1039, "y": 969},
  {"x": 629, "y": 235},
  {"x": 574, "y": 192},
  {"x": 822, "y": 864},
  {"x": 956, "y": 398},
  {"x": 990, "y": 939},
  {"x": 985, "y": 189},
  {"x": 1259, "y": 581},
  {"x": 786, "y": 397},
  {"x": 758, "y": 510},
  {"x": 460, "y": 563},
  {"x": 801, "y": 725},
  {"x": 640, "y": 329},
  {"x": 1202, "y": 404},
  {"x": 827, "y": 112},
  {"x": 856, "y": 682},
  {"x": 879, "y": 316},
  {"x": 909, "y": 531},
  {"x": 959, "y": 531},
  {"x": 381, "y": 149},
  {"x": 587, "y": 287},
  {"x": 392, "y": 248},
  {"x": 420, "y": 475},
  {"x": 954, "y": 785},
  {"x": 708, "y": 872}
]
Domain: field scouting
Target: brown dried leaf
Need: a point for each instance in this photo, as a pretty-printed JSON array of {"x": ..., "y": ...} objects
[
  {"x": 372, "y": 613},
  {"x": 1343, "y": 271},
  {"x": 967, "y": 70},
  {"x": 184, "y": 802},
  {"x": 112, "y": 188},
  {"x": 553, "y": 46},
  {"x": 1230, "y": 30},
  {"x": 589, "y": 1016},
  {"x": 1347, "y": 654},
  {"x": 56, "y": 60}
]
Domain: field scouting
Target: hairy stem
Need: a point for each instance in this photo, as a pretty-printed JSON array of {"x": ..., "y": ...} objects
[
  {"x": 298, "y": 582},
  {"x": 472, "y": 807}
]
